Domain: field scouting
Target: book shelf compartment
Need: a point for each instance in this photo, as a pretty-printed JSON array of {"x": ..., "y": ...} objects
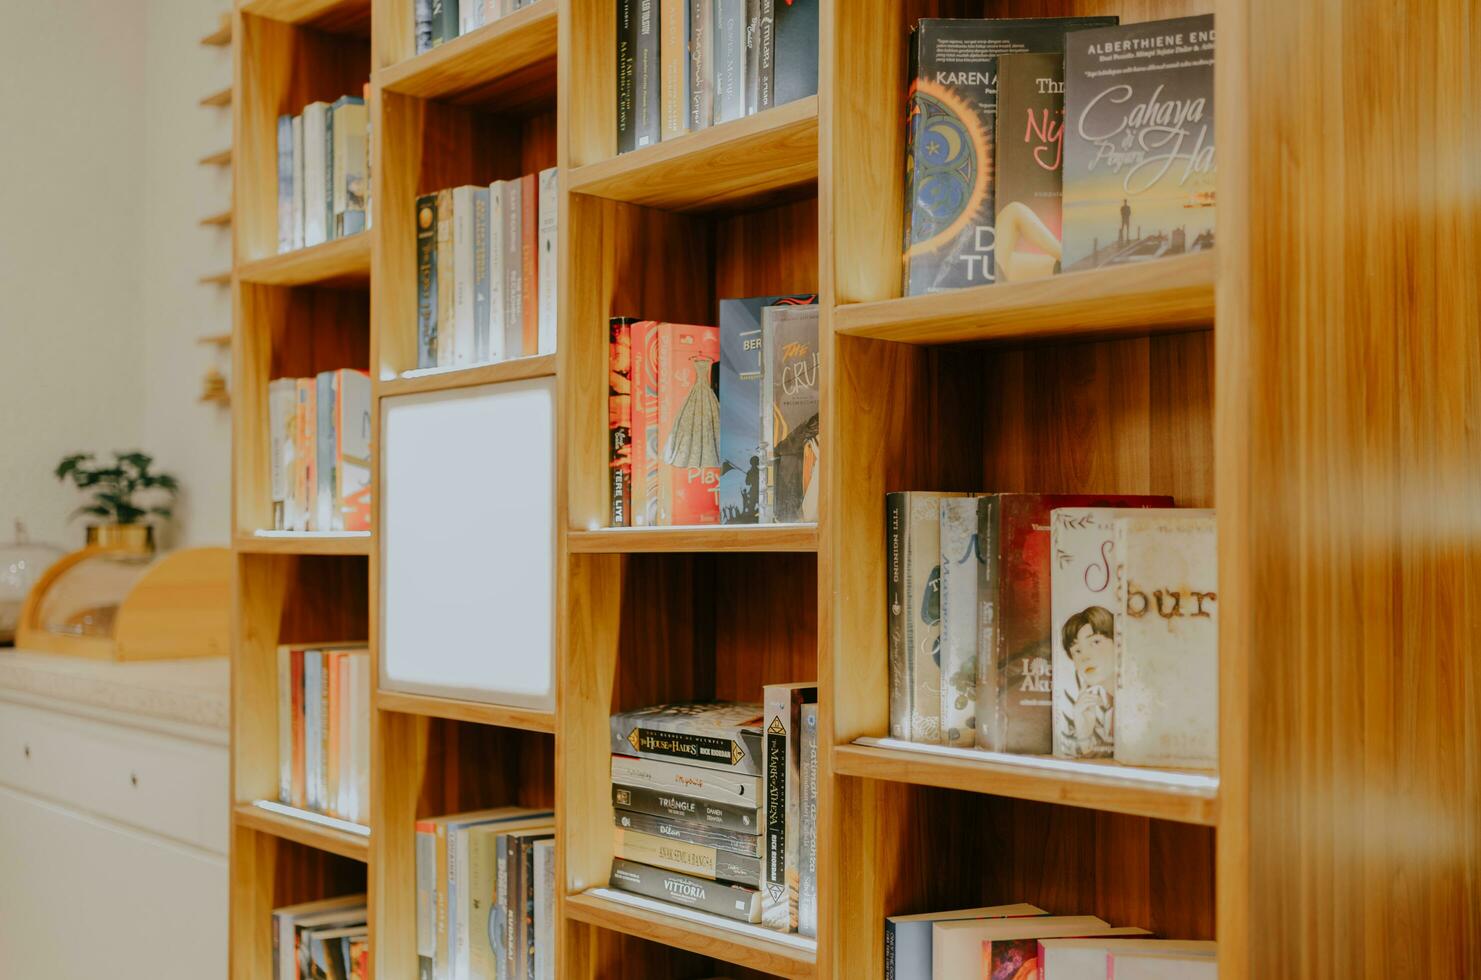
[
  {"x": 337, "y": 262},
  {"x": 513, "y": 54},
  {"x": 305, "y": 828},
  {"x": 351, "y": 17}
]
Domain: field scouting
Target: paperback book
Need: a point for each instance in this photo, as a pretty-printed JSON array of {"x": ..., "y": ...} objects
[
  {"x": 783, "y": 801},
  {"x": 718, "y": 898},
  {"x": 724, "y": 735},
  {"x": 1028, "y": 166},
  {"x": 734, "y": 817},
  {"x": 789, "y": 426}
]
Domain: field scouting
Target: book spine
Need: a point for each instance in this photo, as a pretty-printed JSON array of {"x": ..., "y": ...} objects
[
  {"x": 451, "y": 19},
  {"x": 457, "y": 884},
  {"x": 807, "y": 879},
  {"x": 795, "y": 51},
  {"x": 324, "y": 453},
  {"x": 510, "y": 894},
  {"x": 959, "y": 628},
  {"x": 498, "y": 349},
  {"x": 280, "y": 407},
  {"x": 482, "y": 881},
  {"x": 332, "y": 738},
  {"x": 915, "y": 269},
  {"x": 329, "y": 173},
  {"x": 988, "y": 729},
  {"x": 547, "y": 261},
  {"x": 285, "y": 183},
  {"x": 315, "y": 198},
  {"x": 627, "y": 63},
  {"x": 529, "y": 232},
  {"x": 889, "y": 951},
  {"x": 513, "y": 272},
  {"x": 480, "y": 275},
  {"x": 426, "y": 854},
  {"x": 646, "y": 115},
  {"x": 326, "y": 730},
  {"x": 730, "y": 60},
  {"x": 296, "y": 227},
  {"x": 672, "y": 51},
  {"x": 441, "y": 967},
  {"x": 438, "y": 21},
  {"x": 896, "y": 517},
  {"x": 738, "y": 751},
  {"x": 738, "y": 818},
  {"x": 427, "y": 294},
  {"x": 730, "y": 901},
  {"x": 544, "y": 910},
  {"x": 701, "y": 62},
  {"x": 704, "y": 784},
  {"x": 752, "y": 29},
  {"x": 351, "y": 182},
  {"x": 766, "y": 430},
  {"x": 783, "y": 704},
  {"x": 313, "y": 680},
  {"x": 766, "y": 55},
  {"x": 285, "y": 725},
  {"x": 299, "y": 793},
  {"x": 499, "y": 921},
  {"x": 421, "y": 25},
  {"x": 921, "y": 601},
  {"x": 527, "y": 905},
  {"x": 463, "y": 276},
  {"x": 644, "y": 508},
  {"x": 619, "y": 419},
  {"x": 689, "y": 859},
  {"x": 748, "y": 845},
  {"x": 446, "y": 279}
]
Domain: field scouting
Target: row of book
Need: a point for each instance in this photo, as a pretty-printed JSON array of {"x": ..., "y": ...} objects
[
  {"x": 436, "y": 22},
  {"x": 1079, "y": 625},
  {"x": 1012, "y": 942},
  {"x": 323, "y": 173},
  {"x": 715, "y": 806},
  {"x": 486, "y": 271},
  {"x": 323, "y": 940},
  {"x": 690, "y": 444},
  {"x": 319, "y": 451},
  {"x": 486, "y": 895},
  {"x": 1056, "y": 144},
  {"x": 324, "y": 730},
  {"x": 704, "y": 62}
]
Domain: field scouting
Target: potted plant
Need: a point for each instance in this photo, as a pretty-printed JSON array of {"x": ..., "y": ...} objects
[{"x": 124, "y": 494}]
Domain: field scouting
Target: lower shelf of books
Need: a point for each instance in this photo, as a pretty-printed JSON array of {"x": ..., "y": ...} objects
[
  {"x": 306, "y": 827},
  {"x": 783, "y": 954}
]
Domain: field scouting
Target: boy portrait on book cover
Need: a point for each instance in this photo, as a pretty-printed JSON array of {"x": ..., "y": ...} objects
[{"x": 1089, "y": 637}]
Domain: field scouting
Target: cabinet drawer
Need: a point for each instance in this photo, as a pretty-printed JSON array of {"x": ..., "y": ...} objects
[{"x": 172, "y": 787}]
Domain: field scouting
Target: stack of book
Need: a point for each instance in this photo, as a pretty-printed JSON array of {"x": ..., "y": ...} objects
[
  {"x": 1007, "y": 942},
  {"x": 486, "y": 895},
  {"x": 712, "y": 811},
  {"x": 319, "y": 451},
  {"x": 324, "y": 730},
  {"x": 486, "y": 271},
  {"x": 1082, "y": 625},
  {"x": 323, "y": 173},
  {"x": 439, "y": 21},
  {"x": 315, "y": 940},
  {"x": 1049, "y": 144},
  {"x": 683, "y": 65},
  {"x": 689, "y": 444}
]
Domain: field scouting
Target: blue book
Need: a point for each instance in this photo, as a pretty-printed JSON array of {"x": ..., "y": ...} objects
[
  {"x": 742, "y": 476},
  {"x": 285, "y": 183}
]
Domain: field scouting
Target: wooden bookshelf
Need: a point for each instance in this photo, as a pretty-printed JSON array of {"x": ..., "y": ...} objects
[
  {"x": 1314, "y": 376},
  {"x": 218, "y": 100}
]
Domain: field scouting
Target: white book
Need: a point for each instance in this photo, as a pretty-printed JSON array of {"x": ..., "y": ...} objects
[
  {"x": 497, "y": 313},
  {"x": 282, "y": 406},
  {"x": 957, "y": 945},
  {"x": 285, "y": 183},
  {"x": 960, "y": 558},
  {"x": 344, "y": 776},
  {"x": 1085, "y": 959},
  {"x": 315, "y": 174},
  {"x": 297, "y": 223},
  {"x": 701, "y": 784},
  {"x": 313, "y": 741},
  {"x": 464, "y": 299},
  {"x": 362, "y": 740},
  {"x": 907, "y": 938},
  {"x": 546, "y": 271},
  {"x": 513, "y": 271},
  {"x": 1161, "y": 966},
  {"x": 470, "y": 16},
  {"x": 1167, "y": 639}
]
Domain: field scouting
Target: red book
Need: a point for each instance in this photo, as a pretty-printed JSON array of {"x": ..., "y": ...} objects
[
  {"x": 688, "y": 425},
  {"x": 644, "y": 341},
  {"x": 300, "y": 796},
  {"x": 619, "y": 421},
  {"x": 529, "y": 232}
]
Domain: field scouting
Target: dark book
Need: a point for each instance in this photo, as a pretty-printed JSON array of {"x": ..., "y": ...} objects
[
  {"x": 723, "y": 735},
  {"x": 701, "y": 63},
  {"x": 753, "y": 54},
  {"x": 793, "y": 364},
  {"x": 1139, "y": 169},
  {"x": 647, "y": 84},
  {"x": 690, "y": 859},
  {"x": 427, "y": 281},
  {"x": 690, "y": 809},
  {"x": 689, "y": 832},
  {"x": 627, "y": 59},
  {"x": 783, "y": 801},
  {"x": 717, "y": 898},
  {"x": 949, "y": 212},
  {"x": 619, "y": 419},
  {"x": 730, "y": 60},
  {"x": 1028, "y": 166},
  {"x": 795, "y": 71},
  {"x": 742, "y": 475}
]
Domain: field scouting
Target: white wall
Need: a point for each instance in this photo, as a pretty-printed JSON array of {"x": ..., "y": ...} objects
[{"x": 100, "y": 250}]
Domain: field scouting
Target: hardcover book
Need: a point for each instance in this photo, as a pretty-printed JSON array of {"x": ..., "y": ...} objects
[
  {"x": 282, "y": 398},
  {"x": 796, "y": 58},
  {"x": 545, "y": 910},
  {"x": 807, "y": 884},
  {"x": 325, "y": 441},
  {"x": 1028, "y": 166},
  {"x": 765, "y": 44},
  {"x": 688, "y": 441},
  {"x": 619, "y": 419},
  {"x": 427, "y": 287},
  {"x": 647, "y": 116},
  {"x": 315, "y": 173},
  {"x": 1021, "y": 678},
  {"x": 699, "y": 782},
  {"x": 907, "y": 938},
  {"x": 949, "y": 210},
  {"x": 498, "y": 315},
  {"x": 1167, "y": 640},
  {"x": 961, "y": 562},
  {"x": 529, "y": 258},
  {"x": 690, "y": 859},
  {"x": 737, "y": 817},
  {"x": 722, "y": 735},
  {"x": 742, "y": 475},
  {"x": 1139, "y": 172},
  {"x": 352, "y": 421},
  {"x": 514, "y": 279},
  {"x": 731, "y": 901},
  {"x": 689, "y": 832},
  {"x": 298, "y": 181},
  {"x": 793, "y": 364},
  {"x": 783, "y": 790}
]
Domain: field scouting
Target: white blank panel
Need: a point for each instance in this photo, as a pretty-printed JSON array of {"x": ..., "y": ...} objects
[{"x": 468, "y": 543}]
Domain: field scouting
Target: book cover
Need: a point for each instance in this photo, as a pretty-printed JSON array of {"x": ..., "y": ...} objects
[
  {"x": 282, "y": 396},
  {"x": 352, "y": 421},
  {"x": 717, "y": 898},
  {"x": 647, "y": 118},
  {"x": 961, "y": 561},
  {"x": 907, "y": 938},
  {"x": 514, "y": 899},
  {"x": 794, "y": 366},
  {"x": 730, "y": 60},
  {"x": 1028, "y": 166},
  {"x": 952, "y": 102},
  {"x": 796, "y": 58},
  {"x": 529, "y": 233},
  {"x": 627, "y": 63},
  {"x": 701, "y": 63},
  {"x": 807, "y": 845},
  {"x": 285, "y": 183},
  {"x": 689, "y": 832},
  {"x": 545, "y": 887},
  {"x": 619, "y": 420},
  {"x": 957, "y": 944},
  {"x": 325, "y": 441},
  {"x": 349, "y": 124},
  {"x": 464, "y": 303},
  {"x": 315, "y": 174},
  {"x": 688, "y": 425},
  {"x": 722, "y": 735},
  {"x": 514, "y": 277},
  {"x": 298, "y": 181},
  {"x": 481, "y": 268},
  {"x": 1139, "y": 169},
  {"x": 689, "y": 859},
  {"x": 698, "y": 782},
  {"x": 498, "y": 331},
  {"x": 737, "y": 817},
  {"x": 446, "y": 278},
  {"x": 673, "y": 50},
  {"x": 427, "y": 286},
  {"x": 742, "y": 475},
  {"x": 645, "y": 445},
  {"x": 1167, "y": 639},
  {"x": 1022, "y": 664},
  {"x": 546, "y": 261},
  {"x": 782, "y": 781}
]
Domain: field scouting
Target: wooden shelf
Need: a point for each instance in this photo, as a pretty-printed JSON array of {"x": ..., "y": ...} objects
[
  {"x": 339, "y": 262},
  {"x": 304, "y": 544},
  {"x": 353, "y": 846},
  {"x": 218, "y": 99},
  {"x": 742, "y": 537},
  {"x": 477, "y": 712},
  {"x": 219, "y": 279},
  {"x": 1163, "y": 294},
  {"x": 336, "y": 16},
  {"x": 440, "y": 379},
  {"x": 468, "y": 67},
  {"x": 220, "y": 220},
  {"x": 748, "y": 159},
  {"x": 221, "y": 36},
  {"x": 221, "y": 158},
  {"x": 731, "y": 945},
  {"x": 1183, "y": 797},
  {"x": 215, "y": 339}
]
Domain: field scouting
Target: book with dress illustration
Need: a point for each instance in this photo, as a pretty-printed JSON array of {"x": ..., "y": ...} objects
[
  {"x": 789, "y": 419},
  {"x": 688, "y": 435}
]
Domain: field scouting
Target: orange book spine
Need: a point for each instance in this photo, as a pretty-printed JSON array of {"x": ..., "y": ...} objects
[{"x": 529, "y": 231}]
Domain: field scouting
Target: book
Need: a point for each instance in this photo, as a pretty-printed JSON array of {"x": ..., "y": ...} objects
[
  {"x": 690, "y": 859},
  {"x": 547, "y": 260},
  {"x": 1010, "y": 959},
  {"x": 796, "y": 57},
  {"x": 482, "y": 319},
  {"x": 498, "y": 314},
  {"x": 305, "y": 456},
  {"x": 316, "y": 190},
  {"x": 1020, "y": 680},
  {"x": 298, "y": 181},
  {"x": 514, "y": 906},
  {"x": 723, "y": 735},
  {"x": 329, "y": 951},
  {"x": 545, "y": 890},
  {"x": 957, "y": 945},
  {"x": 793, "y": 363},
  {"x": 1139, "y": 168},
  {"x": 299, "y": 733},
  {"x": 689, "y": 832},
  {"x": 752, "y": 28},
  {"x": 314, "y": 696},
  {"x": 529, "y": 252},
  {"x": 445, "y": 21},
  {"x": 961, "y": 561},
  {"x": 782, "y": 783},
  {"x": 729, "y": 55},
  {"x": 282, "y": 397},
  {"x": 1028, "y": 166},
  {"x": 1085, "y": 959},
  {"x": 514, "y": 298},
  {"x": 717, "y": 898},
  {"x": 427, "y": 285},
  {"x": 698, "y": 782},
  {"x": 349, "y": 121},
  {"x": 464, "y": 316},
  {"x": 645, "y": 446},
  {"x": 470, "y": 16},
  {"x": 285, "y": 183},
  {"x": 736, "y": 817},
  {"x": 325, "y": 440},
  {"x": 288, "y": 921},
  {"x": 647, "y": 117},
  {"x": 1161, "y": 966},
  {"x": 422, "y": 25},
  {"x": 285, "y": 724},
  {"x": 352, "y": 424},
  {"x": 765, "y": 44},
  {"x": 1167, "y": 639},
  {"x": 807, "y": 843},
  {"x": 619, "y": 420},
  {"x": 447, "y": 283},
  {"x": 952, "y": 104},
  {"x": 907, "y": 938},
  {"x": 673, "y": 51},
  {"x": 742, "y": 475},
  {"x": 701, "y": 63},
  {"x": 627, "y": 63},
  {"x": 688, "y": 424}
]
